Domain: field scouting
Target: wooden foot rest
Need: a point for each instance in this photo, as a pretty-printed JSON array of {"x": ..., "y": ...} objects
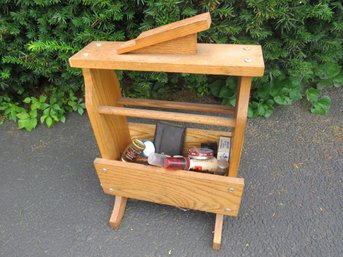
[{"x": 198, "y": 191}]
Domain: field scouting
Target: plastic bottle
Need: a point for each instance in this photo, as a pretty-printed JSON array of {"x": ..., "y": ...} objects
[
  {"x": 223, "y": 167},
  {"x": 209, "y": 165},
  {"x": 156, "y": 159},
  {"x": 176, "y": 163}
]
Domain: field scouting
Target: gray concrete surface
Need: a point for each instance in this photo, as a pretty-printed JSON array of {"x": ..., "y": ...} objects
[{"x": 51, "y": 203}]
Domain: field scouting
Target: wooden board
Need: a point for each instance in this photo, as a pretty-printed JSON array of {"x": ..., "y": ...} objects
[
  {"x": 171, "y": 116},
  {"x": 198, "y": 191},
  {"x": 221, "y": 59},
  {"x": 182, "y": 45},
  {"x": 216, "y": 108},
  {"x": 111, "y": 133},
  {"x": 193, "y": 137},
  {"x": 167, "y": 33},
  {"x": 242, "y": 102}
]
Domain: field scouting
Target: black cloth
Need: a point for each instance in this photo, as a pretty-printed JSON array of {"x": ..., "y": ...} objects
[{"x": 169, "y": 138}]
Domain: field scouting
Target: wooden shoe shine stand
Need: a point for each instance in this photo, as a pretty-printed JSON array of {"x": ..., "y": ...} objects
[{"x": 170, "y": 48}]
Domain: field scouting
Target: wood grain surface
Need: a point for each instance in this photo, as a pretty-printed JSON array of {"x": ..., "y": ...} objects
[
  {"x": 198, "y": 191},
  {"x": 171, "y": 116},
  {"x": 221, "y": 59},
  {"x": 216, "y": 108},
  {"x": 167, "y": 33}
]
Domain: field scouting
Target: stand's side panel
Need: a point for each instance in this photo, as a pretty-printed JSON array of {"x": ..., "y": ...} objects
[
  {"x": 242, "y": 102},
  {"x": 111, "y": 132}
]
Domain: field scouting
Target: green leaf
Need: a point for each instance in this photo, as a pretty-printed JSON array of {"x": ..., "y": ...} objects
[
  {"x": 43, "y": 106},
  {"x": 260, "y": 109},
  {"x": 42, "y": 98},
  {"x": 250, "y": 112},
  {"x": 312, "y": 94},
  {"x": 48, "y": 122},
  {"x": 232, "y": 100},
  {"x": 56, "y": 107},
  {"x": 283, "y": 100},
  {"x": 268, "y": 112},
  {"x": 332, "y": 70},
  {"x": 63, "y": 119},
  {"x": 32, "y": 123},
  {"x": 295, "y": 95},
  {"x": 28, "y": 124},
  {"x": 27, "y": 100},
  {"x": 338, "y": 80},
  {"x": 231, "y": 83},
  {"x": 322, "y": 106},
  {"x": 325, "y": 83},
  {"x": 42, "y": 118},
  {"x": 33, "y": 113},
  {"x": 224, "y": 92},
  {"x": 21, "y": 124},
  {"x": 80, "y": 110},
  {"x": 23, "y": 115},
  {"x": 214, "y": 87}
]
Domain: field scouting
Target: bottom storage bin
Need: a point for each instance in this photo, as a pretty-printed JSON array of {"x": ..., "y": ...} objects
[{"x": 186, "y": 189}]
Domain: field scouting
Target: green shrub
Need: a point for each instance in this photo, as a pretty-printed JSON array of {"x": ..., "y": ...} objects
[{"x": 301, "y": 41}]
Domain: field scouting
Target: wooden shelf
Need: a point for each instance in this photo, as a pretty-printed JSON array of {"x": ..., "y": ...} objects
[{"x": 217, "y": 59}]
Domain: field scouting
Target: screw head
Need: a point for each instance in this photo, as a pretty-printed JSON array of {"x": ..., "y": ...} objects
[
  {"x": 111, "y": 189},
  {"x": 104, "y": 170},
  {"x": 227, "y": 209},
  {"x": 246, "y": 48},
  {"x": 231, "y": 189},
  {"x": 248, "y": 60},
  {"x": 85, "y": 54},
  {"x": 98, "y": 44}
]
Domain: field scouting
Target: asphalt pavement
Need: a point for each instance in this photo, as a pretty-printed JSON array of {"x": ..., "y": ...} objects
[{"x": 51, "y": 202}]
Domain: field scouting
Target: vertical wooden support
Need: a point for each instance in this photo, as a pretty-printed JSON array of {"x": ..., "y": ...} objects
[
  {"x": 218, "y": 228},
  {"x": 111, "y": 132},
  {"x": 241, "y": 111},
  {"x": 242, "y": 102}
]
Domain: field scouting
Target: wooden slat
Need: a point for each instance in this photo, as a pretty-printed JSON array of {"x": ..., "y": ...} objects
[
  {"x": 242, "y": 103},
  {"x": 193, "y": 137},
  {"x": 173, "y": 116},
  {"x": 198, "y": 191},
  {"x": 221, "y": 59},
  {"x": 176, "y": 105},
  {"x": 182, "y": 45},
  {"x": 167, "y": 32}
]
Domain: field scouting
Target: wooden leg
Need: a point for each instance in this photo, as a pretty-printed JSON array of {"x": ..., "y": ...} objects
[
  {"x": 218, "y": 227},
  {"x": 242, "y": 102},
  {"x": 118, "y": 211}
]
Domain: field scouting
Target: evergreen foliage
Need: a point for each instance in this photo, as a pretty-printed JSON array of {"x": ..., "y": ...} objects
[{"x": 301, "y": 40}]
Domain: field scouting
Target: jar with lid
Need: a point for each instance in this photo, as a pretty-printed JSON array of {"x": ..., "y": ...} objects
[{"x": 133, "y": 150}]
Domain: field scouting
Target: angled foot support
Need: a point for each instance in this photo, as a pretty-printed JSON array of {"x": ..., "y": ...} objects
[{"x": 118, "y": 211}]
